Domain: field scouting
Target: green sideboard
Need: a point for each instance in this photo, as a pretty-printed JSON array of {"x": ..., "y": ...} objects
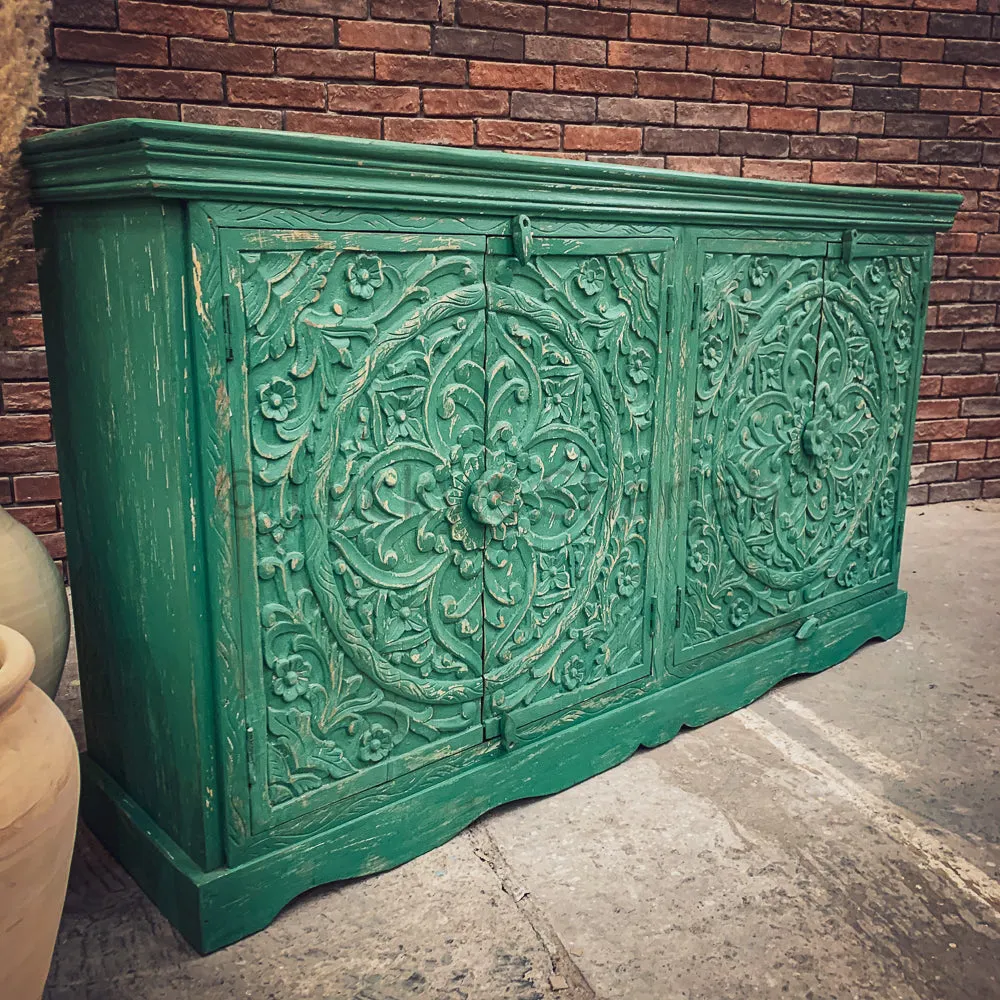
[{"x": 401, "y": 482}]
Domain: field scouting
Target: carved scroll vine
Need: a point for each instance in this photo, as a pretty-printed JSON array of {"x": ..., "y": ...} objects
[
  {"x": 799, "y": 406},
  {"x": 366, "y": 390},
  {"x": 572, "y": 345}
]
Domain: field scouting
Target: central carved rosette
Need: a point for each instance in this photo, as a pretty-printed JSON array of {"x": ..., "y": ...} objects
[{"x": 496, "y": 497}]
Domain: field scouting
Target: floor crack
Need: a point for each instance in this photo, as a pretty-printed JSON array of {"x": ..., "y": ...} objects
[{"x": 488, "y": 851}]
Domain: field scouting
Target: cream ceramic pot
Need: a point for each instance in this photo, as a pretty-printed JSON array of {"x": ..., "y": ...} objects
[
  {"x": 39, "y": 793},
  {"x": 33, "y": 600}
]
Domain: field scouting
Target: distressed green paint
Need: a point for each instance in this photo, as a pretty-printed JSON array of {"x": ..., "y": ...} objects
[{"x": 403, "y": 482}]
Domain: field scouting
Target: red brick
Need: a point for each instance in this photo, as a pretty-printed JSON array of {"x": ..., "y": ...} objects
[
  {"x": 563, "y": 49},
  {"x": 331, "y": 124},
  {"x": 439, "y": 132},
  {"x": 937, "y": 409},
  {"x": 740, "y": 91},
  {"x": 373, "y": 99},
  {"x": 777, "y": 170},
  {"x": 783, "y": 119},
  {"x": 642, "y": 110},
  {"x": 950, "y": 451},
  {"x": 405, "y": 10},
  {"x": 466, "y": 103},
  {"x": 26, "y": 397},
  {"x": 601, "y": 138},
  {"x": 646, "y": 55},
  {"x": 950, "y": 291},
  {"x": 949, "y": 100},
  {"x": 833, "y": 18},
  {"x": 888, "y": 150},
  {"x": 25, "y": 331},
  {"x": 686, "y": 141},
  {"x": 173, "y": 19},
  {"x": 741, "y": 9},
  {"x": 895, "y": 22},
  {"x": 666, "y": 28},
  {"x": 508, "y": 16},
  {"x": 228, "y": 57},
  {"x": 944, "y": 492},
  {"x": 844, "y": 44},
  {"x": 794, "y": 40},
  {"x": 518, "y": 135},
  {"x": 794, "y": 67},
  {"x": 840, "y": 172},
  {"x": 903, "y": 47},
  {"x": 741, "y": 34},
  {"x": 712, "y": 115},
  {"x": 966, "y": 315},
  {"x": 988, "y": 469},
  {"x": 510, "y": 75},
  {"x": 691, "y": 85},
  {"x": 733, "y": 62},
  {"x": 234, "y": 117},
  {"x": 84, "y": 13},
  {"x": 584, "y": 80},
  {"x": 928, "y": 74},
  {"x": 974, "y": 267},
  {"x": 773, "y": 11},
  {"x": 969, "y": 177},
  {"x": 961, "y": 243},
  {"x": 596, "y": 24},
  {"x": 55, "y": 544},
  {"x": 384, "y": 35},
  {"x": 20, "y": 429},
  {"x": 276, "y": 92},
  {"x": 937, "y": 430},
  {"x": 988, "y": 427},
  {"x": 986, "y": 77},
  {"x": 821, "y": 95},
  {"x": 27, "y": 458},
  {"x": 326, "y": 64},
  {"x": 993, "y": 449},
  {"x": 942, "y": 471},
  {"x": 86, "y": 110},
  {"x": 726, "y": 165},
  {"x": 169, "y": 84},
  {"x": 31, "y": 489},
  {"x": 281, "y": 29},
  {"x": 905, "y": 175},
  {"x": 419, "y": 69},
  {"x": 852, "y": 122},
  {"x": 110, "y": 47},
  {"x": 968, "y": 385}
]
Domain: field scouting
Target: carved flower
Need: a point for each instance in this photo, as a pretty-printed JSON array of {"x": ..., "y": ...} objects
[
  {"x": 405, "y": 613},
  {"x": 364, "y": 276},
  {"x": 572, "y": 673},
  {"x": 627, "y": 579},
  {"x": 852, "y": 575},
  {"x": 553, "y": 574},
  {"x": 291, "y": 677},
  {"x": 904, "y": 335},
  {"x": 639, "y": 368},
  {"x": 739, "y": 611},
  {"x": 703, "y": 449},
  {"x": 559, "y": 393},
  {"x": 375, "y": 744},
  {"x": 590, "y": 276},
  {"x": 277, "y": 399},
  {"x": 700, "y": 556},
  {"x": 760, "y": 269},
  {"x": 496, "y": 496},
  {"x": 402, "y": 415},
  {"x": 876, "y": 271},
  {"x": 712, "y": 353}
]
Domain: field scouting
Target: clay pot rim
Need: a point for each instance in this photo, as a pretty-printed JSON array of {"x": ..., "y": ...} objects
[{"x": 17, "y": 660}]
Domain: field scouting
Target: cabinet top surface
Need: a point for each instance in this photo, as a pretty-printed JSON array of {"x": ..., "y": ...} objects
[{"x": 139, "y": 157}]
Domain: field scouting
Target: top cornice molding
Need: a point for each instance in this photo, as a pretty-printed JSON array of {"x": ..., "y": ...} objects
[{"x": 138, "y": 157}]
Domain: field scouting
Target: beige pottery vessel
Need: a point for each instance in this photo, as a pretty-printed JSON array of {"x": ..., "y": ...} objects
[
  {"x": 33, "y": 600},
  {"x": 39, "y": 793}
]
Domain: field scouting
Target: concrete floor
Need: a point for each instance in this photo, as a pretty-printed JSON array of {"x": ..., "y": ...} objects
[{"x": 839, "y": 840}]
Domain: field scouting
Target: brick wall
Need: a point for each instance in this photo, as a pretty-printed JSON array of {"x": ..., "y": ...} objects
[{"x": 891, "y": 92}]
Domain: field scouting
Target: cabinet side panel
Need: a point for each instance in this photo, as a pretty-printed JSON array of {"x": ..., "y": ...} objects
[{"x": 113, "y": 302}]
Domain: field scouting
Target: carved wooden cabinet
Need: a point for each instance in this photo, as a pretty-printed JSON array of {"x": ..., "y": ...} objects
[{"x": 401, "y": 482}]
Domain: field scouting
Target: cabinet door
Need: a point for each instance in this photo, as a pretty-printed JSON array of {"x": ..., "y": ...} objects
[
  {"x": 760, "y": 530},
  {"x": 801, "y": 401},
  {"x": 575, "y": 368},
  {"x": 867, "y": 380},
  {"x": 360, "y": 420}
]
